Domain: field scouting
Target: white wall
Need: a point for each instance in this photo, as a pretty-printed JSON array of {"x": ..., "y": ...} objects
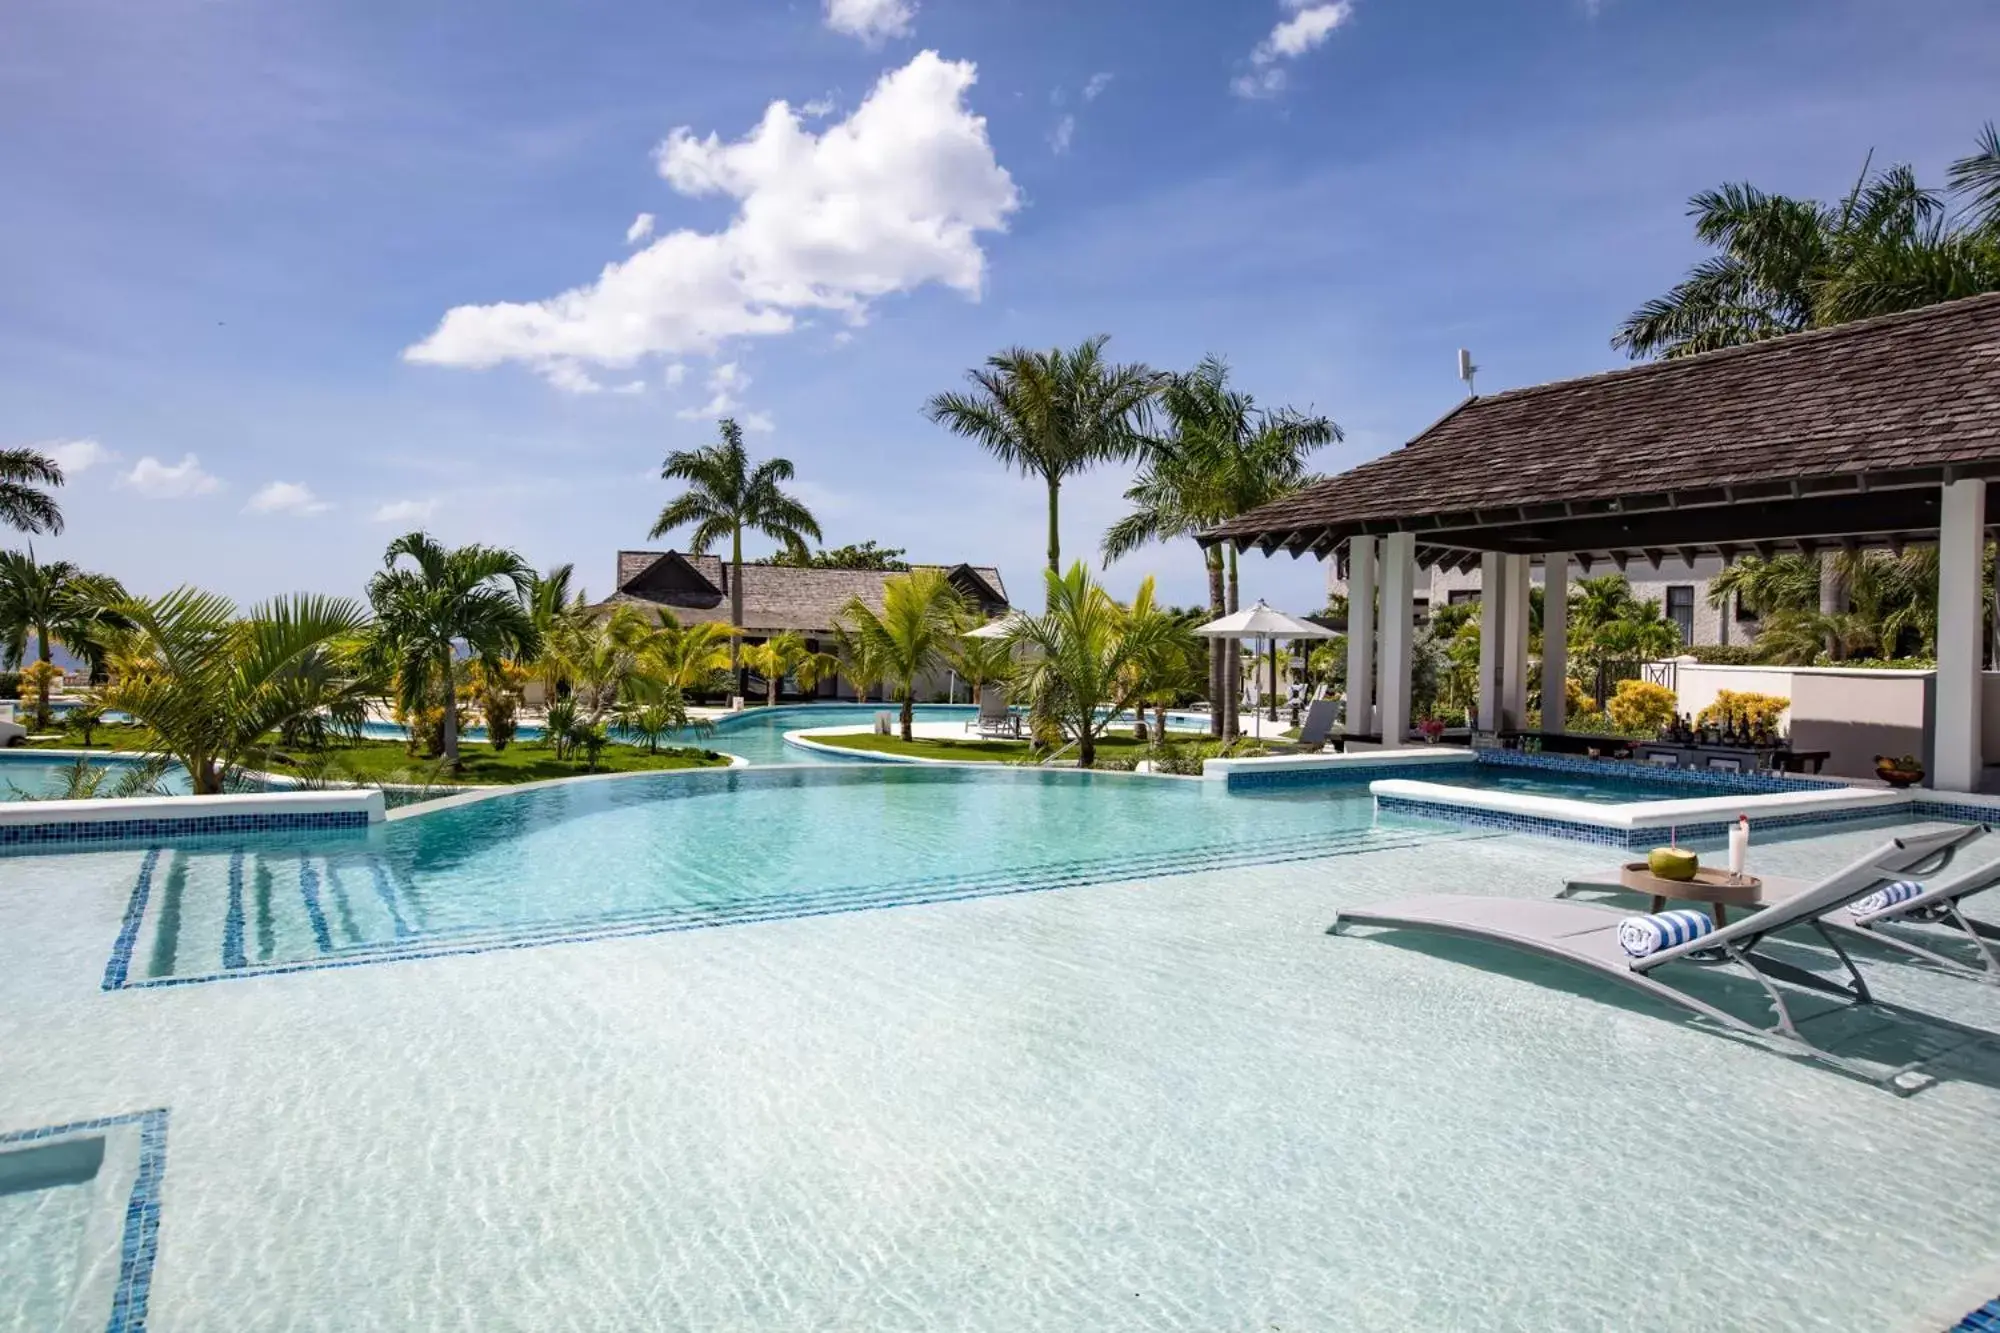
[{"x": 1854, "y": 715}]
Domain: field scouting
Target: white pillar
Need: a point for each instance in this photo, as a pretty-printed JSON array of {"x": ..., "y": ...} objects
[
  {"x": 1492, "y": 637},
  {"x": 1514, "y": 663},
  {"x": 1956, "y": 760},
  {"x": 1399, "y": 587},
  {"x": 1555, "y": 642},
  {"x": 1360, "y": 716}
]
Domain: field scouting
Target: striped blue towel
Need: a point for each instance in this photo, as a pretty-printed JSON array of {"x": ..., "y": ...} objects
[
  {"x": 1642, "y": 936},
  {"x": 1887, "y": 896}
]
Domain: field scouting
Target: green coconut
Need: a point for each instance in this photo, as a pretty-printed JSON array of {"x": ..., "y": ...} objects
[{"x": 1672, "y": 863}]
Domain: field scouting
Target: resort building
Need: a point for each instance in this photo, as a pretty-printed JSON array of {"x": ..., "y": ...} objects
[
  {"x": 778, "y": 598},
  {"x": 1881, "y": 433},
  {"x": 1681, "y": 587}
]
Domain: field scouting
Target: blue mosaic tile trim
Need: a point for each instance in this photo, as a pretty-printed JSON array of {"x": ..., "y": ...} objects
[
  {"x": 153, "y": 830},
  {"x": 1626, "y": 770},
  {"x": 309, "y": 891},
  {"x": 1716, "y": 832},
  {"x": 1942, "y": 806},
  {"x": 128, "y": 933},
  {"x": 139, "y": 1243},
  {"x": 1340, "y": 775},
  {"x": 232, "y": 921},
  {"x": 387, "y": 893},
  {"x": 1986, "y": 1319},
  {"x": 932, "y": 889}
]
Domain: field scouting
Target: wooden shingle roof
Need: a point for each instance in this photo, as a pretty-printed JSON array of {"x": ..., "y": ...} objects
[
  {"x": 1814, "y": 438},
  {"x": 775, "y": 597}
]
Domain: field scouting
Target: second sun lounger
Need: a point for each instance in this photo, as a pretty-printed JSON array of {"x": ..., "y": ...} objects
[{"x": 1586, "y": 935}]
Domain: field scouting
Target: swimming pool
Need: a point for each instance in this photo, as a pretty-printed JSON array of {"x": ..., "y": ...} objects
[
  {"x": 27, "y": 774},
  {"x": 1154, "y": 1094},
  {"x": 1598, "y": 790}
]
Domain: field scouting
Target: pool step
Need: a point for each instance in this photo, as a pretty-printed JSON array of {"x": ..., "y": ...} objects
[{"x": 203, "y": 914}]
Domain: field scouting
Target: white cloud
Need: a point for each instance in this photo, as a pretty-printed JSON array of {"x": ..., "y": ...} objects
[
  {"x": 630, "y": 386},
  {"x": 286, "y": 497},
  {"x": 674, "y": 374},
  {"x": 819, "y": 108},
  {"x": 725, "y": 383},
  {"x": 570, "y": 377},
  {"x": 873, "y": 21},
  {"x": 891, "y": 199},
  {"x": 159, "y": 481},
  {"x": 405, "y": 511},
  {"x": 641, "y": 228},
  {"x": 1311, "y": 23},
  {"x": 73, "y": 456},
  {"x": 759, "y": 421},
  {"x": 1098, "y": 83},
  {"x": 1063, "y": 135}
]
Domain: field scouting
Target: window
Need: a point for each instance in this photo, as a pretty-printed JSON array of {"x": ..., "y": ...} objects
[
  {"x": 1460, "y": 596},
  {"x": 1743, "y": 613},
  {"x": 1680, "y": 609}
]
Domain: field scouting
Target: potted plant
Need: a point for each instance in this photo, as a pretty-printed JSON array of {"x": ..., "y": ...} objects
[
  {"x": 1431, "y": 728},
  {"x": 1899, "y": 773}
]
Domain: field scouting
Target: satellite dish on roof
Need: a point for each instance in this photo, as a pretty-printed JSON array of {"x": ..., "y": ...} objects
[{"x": 1466, "y": 370}]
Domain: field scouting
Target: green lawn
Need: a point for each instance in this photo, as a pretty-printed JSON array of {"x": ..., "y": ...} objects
[
  {"x": 968, "y": 750},
  {"x": 388, "y": 761}
]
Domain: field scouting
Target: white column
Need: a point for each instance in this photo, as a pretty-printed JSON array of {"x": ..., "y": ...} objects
[
  {"x": 1514, "y": 662},
  {"x": 1399, "y": 587},
  {"x": 1555, "y": 642},
  {"x": 1956, "y": 760},
  {"x": 1492, "y": 634},
  {"x": 1360, "y": 716}
]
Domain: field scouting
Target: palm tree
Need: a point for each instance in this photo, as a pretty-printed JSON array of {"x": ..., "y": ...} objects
[
  {"x": 1221, "y": 456},
  {"x": 919, "y": 622},
  {"x": 1598, "y": 601},
  {"x": 22, "y": 506},
  {"x": 557, "y": 613},
  {"x": 728, "y": 495},
  {"x": 981, "y": 662},
  {"x": 53, "y": 603},
  {"x": 1052, "y": 415},
  {"x": 774, "y": 659},
  {"x": 1088, "y": 658},
  {"x": 687, "y": 658},
  {"x": 211, "y": 684},
  {"x": 473, "y": 595}
]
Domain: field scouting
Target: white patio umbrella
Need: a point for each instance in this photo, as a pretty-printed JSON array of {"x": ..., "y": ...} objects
[
  {"x": 1262, "y": 622},
  {"x": 997, "y": 629}
]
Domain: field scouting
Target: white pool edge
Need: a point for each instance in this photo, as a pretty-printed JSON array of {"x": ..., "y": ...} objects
[{"x": 1635, "y": 815}]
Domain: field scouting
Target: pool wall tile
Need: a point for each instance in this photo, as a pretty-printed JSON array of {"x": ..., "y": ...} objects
[{"x": 139, "y": 1241}]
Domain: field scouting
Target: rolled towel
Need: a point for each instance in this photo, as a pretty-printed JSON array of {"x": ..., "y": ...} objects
[
  {"x": 1901, "y": 891},
  {"x": 1642, "y": 936}
]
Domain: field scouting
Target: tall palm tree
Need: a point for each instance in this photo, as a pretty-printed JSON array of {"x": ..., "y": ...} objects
[
  {"x": 442, "y": 597},
  {"x": 210, "y": 683},
  {"x": 53, "y": 603},
  {"x": 558, "y": 610},
  {"x": 920, "y": 619},
  {"x": 727, "y": 494},
  {"x": 22, "y": 505},
  {"x": 1053, "y": 415},
  {"x": 1088, "y": 658},
  {"x": 1220, "y": 456}
]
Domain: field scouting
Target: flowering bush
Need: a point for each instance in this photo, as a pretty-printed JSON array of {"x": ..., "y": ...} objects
[
  {"x": 1640, "y": 707},
  {"x": 1745, "y": 709}
]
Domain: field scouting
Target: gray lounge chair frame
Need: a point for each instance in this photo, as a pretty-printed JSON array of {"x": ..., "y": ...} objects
[
  {"x": 1586, "y": 935},
  {"x": 996, "y": 717}
]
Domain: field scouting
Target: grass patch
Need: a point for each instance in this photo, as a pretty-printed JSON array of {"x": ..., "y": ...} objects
[
  {"x": 390, "y": 761},
  {"x": 969, "y": 750}
]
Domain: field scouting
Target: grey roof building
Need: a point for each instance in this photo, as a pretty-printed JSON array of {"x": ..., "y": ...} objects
[{"x": 776, "y": 598}]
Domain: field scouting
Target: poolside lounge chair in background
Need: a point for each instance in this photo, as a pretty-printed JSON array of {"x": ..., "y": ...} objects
[
  {"x": 1933, "y": 911},
  {"x": 1315, "y": 729},
  {"x": 995, "y": 718},
  {"x": 1586, "y": 934}
]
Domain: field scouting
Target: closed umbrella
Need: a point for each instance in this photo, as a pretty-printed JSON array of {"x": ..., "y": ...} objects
[{"x": 1262, "y": 622}]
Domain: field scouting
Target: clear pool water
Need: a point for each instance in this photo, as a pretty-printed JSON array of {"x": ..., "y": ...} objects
[
  {"x": 1571, "y": 787},
  {"x": 25, "y": 774},
  {"x": 650, "y": 853},
  {"x": 1154, "y": 1095}
]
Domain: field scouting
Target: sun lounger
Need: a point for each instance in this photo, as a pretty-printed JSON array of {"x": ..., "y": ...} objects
[
  {"x": 1936, "y": 912},
  {"x": 1315, "y": 729},
  {"x": 995, "y": 717},
  {"x": 1586, "y": 935}
]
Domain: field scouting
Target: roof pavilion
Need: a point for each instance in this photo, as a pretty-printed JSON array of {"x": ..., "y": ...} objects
[{"x": 1879, "y": 433}]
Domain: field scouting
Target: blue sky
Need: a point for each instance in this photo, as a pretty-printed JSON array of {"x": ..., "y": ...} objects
[{"x": 234, "y": 231}]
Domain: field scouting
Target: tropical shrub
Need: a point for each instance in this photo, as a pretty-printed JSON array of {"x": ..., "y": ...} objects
[
  {"x": 559, "y": 726},
  {"x": 1088, "y": 658},
  {"x": 493, "y": 692},
  {"x": 85, "y": 719},
  {"x": 1744, "y": 708},
  {"x": 1722, "y": 654},
  {"x": 1641, "y": 708},
  {"x": 37, "y": 679},
  {"x": 424, "y": 729},
  {"x": 912, "y": 634}
]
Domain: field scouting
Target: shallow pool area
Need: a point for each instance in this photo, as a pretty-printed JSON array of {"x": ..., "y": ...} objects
[
  {"x": 882, "y": 1086},
  {"x": 33, "y": 774}
]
